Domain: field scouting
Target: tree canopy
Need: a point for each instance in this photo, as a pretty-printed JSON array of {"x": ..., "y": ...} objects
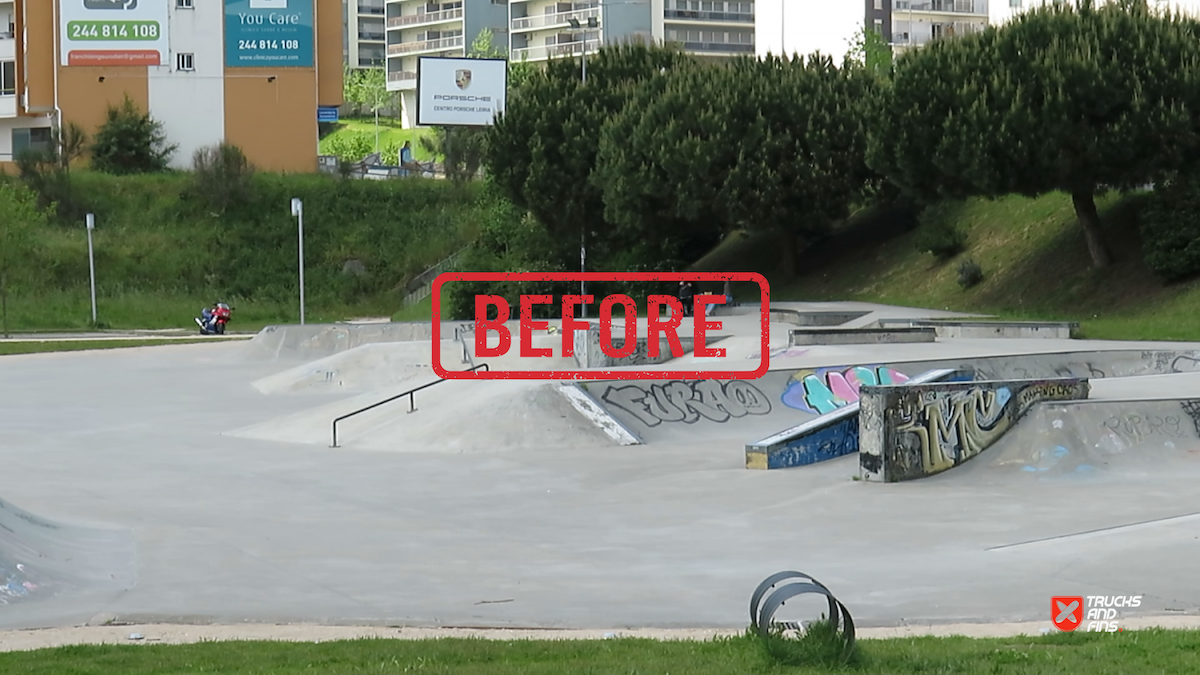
[{"x": 1077, "y": 99}]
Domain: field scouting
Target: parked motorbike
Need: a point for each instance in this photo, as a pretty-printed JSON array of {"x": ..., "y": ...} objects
[{"x": 213, "y": 321}]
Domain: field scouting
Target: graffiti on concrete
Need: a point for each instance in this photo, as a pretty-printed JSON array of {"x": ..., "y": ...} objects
[
  {"x": 689, "y": 402},
  {"x": 824, "y": 390},
  {"x": 1135, "y": 427},
  {"x": 828, "y": 443},
  {"x": 930, "y": 428},
  {"x": 1191, "y": 408},
  {"x": 16, "y": 583}
]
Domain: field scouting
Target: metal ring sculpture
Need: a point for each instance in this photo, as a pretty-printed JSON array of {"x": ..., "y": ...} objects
[{"x": 764, "y": 606}]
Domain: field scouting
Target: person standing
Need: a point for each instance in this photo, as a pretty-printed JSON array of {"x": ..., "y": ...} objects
[
  {"x": 728, "y": 291},
  {"x": 686, "y": 293}
]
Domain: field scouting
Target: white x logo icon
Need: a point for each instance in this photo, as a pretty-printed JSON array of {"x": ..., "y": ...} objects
[{"x": 1066, "y": 612}]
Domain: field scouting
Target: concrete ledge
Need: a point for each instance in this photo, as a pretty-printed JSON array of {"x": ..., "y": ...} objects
[
  {"x": 912, "y": 431},
  {"x": 799, "y": 318},
  {"x": 860, "y": 336},
  {"x": 596, "y": 414},
  {"x": 829, "y": 436},
  {"x": 957, "y": 328}
]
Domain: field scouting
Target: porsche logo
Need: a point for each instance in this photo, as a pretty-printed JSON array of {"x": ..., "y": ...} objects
[{"x": 462, "y": 78}]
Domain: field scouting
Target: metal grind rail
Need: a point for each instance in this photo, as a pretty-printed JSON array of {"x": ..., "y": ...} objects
[{"x": 411, "y": 401}]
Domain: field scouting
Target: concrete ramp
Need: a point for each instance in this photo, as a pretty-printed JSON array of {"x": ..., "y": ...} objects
[
  {"x": 451, "y": 417},
  {"x": 315, "y": 341},
  {"x": 365, "y": 368},
  {"x": 1095, "y": 441},
  {"x": 45, "y": 565}
]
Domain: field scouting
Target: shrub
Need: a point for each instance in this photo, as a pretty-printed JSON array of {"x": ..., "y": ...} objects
[
  {"x": 130, "y": 141},
  {"x": 939, "y": 236},
  {"x": 349, "y": 147},
  {"x": 1170, "y": 229},
  {"x": 969, "y": 273},
  {"x": 221, "y": 176},
  {"x": 47, "y": 171}
]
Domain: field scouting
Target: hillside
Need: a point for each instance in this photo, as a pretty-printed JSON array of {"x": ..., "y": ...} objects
[{"x": 1033, "y": 256}]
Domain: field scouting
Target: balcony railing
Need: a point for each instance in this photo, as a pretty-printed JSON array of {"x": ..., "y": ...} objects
[
  {"x": 428, "y": 17},
  {"x": 402, "y": 76},
  {"x": 716, "y": 47},
  {"x": 951, "y": 6},
  {"x": 554, "y": 51},
  {"x": 724, "y": 17},
  {"x": 558, "y": 18},
  {"x": 374, "y": 37},
  {"x": 372, "y": 9},
  {"x": 426, "y": 45}
]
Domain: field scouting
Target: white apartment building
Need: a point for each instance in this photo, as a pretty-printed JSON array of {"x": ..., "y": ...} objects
[
  {"x": 17, "y": 131},
  {"x": 427, "y": 28},
  {"x": 543, "y": 29},
  {"x": 366, "y": 35},
  {"x": 1005, "y": 10}
]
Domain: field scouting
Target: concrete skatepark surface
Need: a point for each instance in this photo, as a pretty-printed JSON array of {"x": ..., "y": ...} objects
[{"x": 495, "y": 504}]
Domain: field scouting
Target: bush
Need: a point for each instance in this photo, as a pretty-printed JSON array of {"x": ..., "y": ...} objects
[
  {"x": 130, "y": 141},
  {"x": 1170, "y": 229},
  {"x": 221, "y": 176},
  {"x": 969, "y": 273},
  {"x": 939, "y": 236},
  {"x": 349, "y": 147}
]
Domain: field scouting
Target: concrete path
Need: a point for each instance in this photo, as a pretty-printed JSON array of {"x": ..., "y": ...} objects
[{"x": 565, "y": 535}]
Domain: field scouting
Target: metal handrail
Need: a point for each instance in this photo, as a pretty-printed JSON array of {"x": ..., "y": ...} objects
[{"x": 409, "y": 394}]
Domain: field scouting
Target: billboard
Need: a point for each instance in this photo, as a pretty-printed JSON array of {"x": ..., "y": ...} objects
[
  {"x": 113, "y": 33},
  {"x": 269, "y": 33},
  {"x": 460, "y": 91}
]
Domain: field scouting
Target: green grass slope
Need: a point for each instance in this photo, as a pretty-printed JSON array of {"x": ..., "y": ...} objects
[
  {"x": 390, "y": 133},
  {"x": 1032, "y": 252}
]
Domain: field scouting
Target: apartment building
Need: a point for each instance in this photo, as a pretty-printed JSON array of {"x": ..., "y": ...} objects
[
  {"x": 365, "y": 33},
  {"x": 1003, "y": 11},
  {"x": 418, "y": 28},
  {"x": 544, "y": 29},
  {"x": 912, "y": 23},
  {"x": 250, "y": 72}
]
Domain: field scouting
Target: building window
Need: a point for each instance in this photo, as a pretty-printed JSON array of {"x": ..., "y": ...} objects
[
  {"x": 878, "y": 4},
  {"x": 879, "y": 26},
  {"x": 8, "y": 78},
  {"x": 184, "y": 4},
  {"x": 36, "y": 139},
  {"x": 185, "y": 62}
]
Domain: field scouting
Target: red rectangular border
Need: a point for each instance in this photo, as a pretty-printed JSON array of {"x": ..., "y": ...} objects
[{"x": 765, "y": 317}]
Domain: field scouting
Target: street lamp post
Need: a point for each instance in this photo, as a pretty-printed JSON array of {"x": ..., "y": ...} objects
[
  {"x": 298, "y": 212},
  {"x": 91, "y": 225}
]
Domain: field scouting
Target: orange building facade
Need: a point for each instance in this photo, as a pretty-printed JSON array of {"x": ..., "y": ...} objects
[{"x": 254, "y": 73}]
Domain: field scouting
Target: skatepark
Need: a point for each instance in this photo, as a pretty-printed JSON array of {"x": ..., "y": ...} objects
[{"x": 197, "y": 483}]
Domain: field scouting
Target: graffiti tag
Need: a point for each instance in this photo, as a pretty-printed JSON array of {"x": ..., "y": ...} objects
[
  {"x": 689, "y": 402},
  {"x": 824, "y": 390}
]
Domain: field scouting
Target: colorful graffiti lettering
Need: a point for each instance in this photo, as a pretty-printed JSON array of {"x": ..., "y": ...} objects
[{"x": 824, "y": 390}]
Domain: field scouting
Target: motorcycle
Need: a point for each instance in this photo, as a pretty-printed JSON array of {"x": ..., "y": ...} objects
[{"x": 213, "y": 321}]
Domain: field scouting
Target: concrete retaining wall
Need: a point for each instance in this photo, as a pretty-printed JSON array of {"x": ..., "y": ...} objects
[
  {"x": 799, "y": 318},
  {"x": 829, "y": 436},
  {"x": 589, "y": 354},
  {"x": 314, "y": 341},
  {"x": 952, "y": 328},
  {"x": 912, "y": 431},
  {"x": 860, "y": 336}
]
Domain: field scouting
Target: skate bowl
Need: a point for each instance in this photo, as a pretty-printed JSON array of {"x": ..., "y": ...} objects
[
  {"x": 1109, "y": 440},
  {"x": 46, "y": 564},
  {"x": 912, "y": 431},
  {"x": 832, "y": 435}
]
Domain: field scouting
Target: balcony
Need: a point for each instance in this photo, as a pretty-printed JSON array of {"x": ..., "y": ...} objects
[
  {"x": 553, "y": 51},
  {"x": 409, "y": 20},
  {"x": 426, "y": 45},
  {"x": 715, "y": 17},
  {"x": 402, "y": 76},
  {"x": 553, "y": 20},
  {"x": 371, "y": 37},
  {"x": 942, "y": 6},
  {"x": 715, "y": 47},
  {"x": 371, "y": 9}
]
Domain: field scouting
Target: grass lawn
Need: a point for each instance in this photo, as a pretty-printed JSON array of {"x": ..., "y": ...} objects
[
  {"x": 9, "y": 348},
  {"x": 390, "y": 131},
  {"x": 1128, "y": 653},
  {"x": 1032, "y": 252}
]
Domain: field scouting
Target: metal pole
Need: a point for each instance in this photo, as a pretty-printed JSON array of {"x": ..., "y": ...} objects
[
  {"x": 298, "y": 211},
  {"x": 91, "y": 225},
  {"x": 582, "y": 268},
  {"x": 782, "y": 29},
  {"x": 377, "y": 127}
]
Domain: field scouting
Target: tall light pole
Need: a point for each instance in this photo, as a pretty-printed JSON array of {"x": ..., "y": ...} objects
[
  {"x": 782, "y": 28},
  {"x": 91, "y": 225},
  {"x": 298, "y": 212}
]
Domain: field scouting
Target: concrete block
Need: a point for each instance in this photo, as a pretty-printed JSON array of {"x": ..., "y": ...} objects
[
  {"x": 860, "y": 336},
  {"x": 828, "y": 318},
  {"x": 956, "y": 328},
  {"x": 915, "y": 430}
]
